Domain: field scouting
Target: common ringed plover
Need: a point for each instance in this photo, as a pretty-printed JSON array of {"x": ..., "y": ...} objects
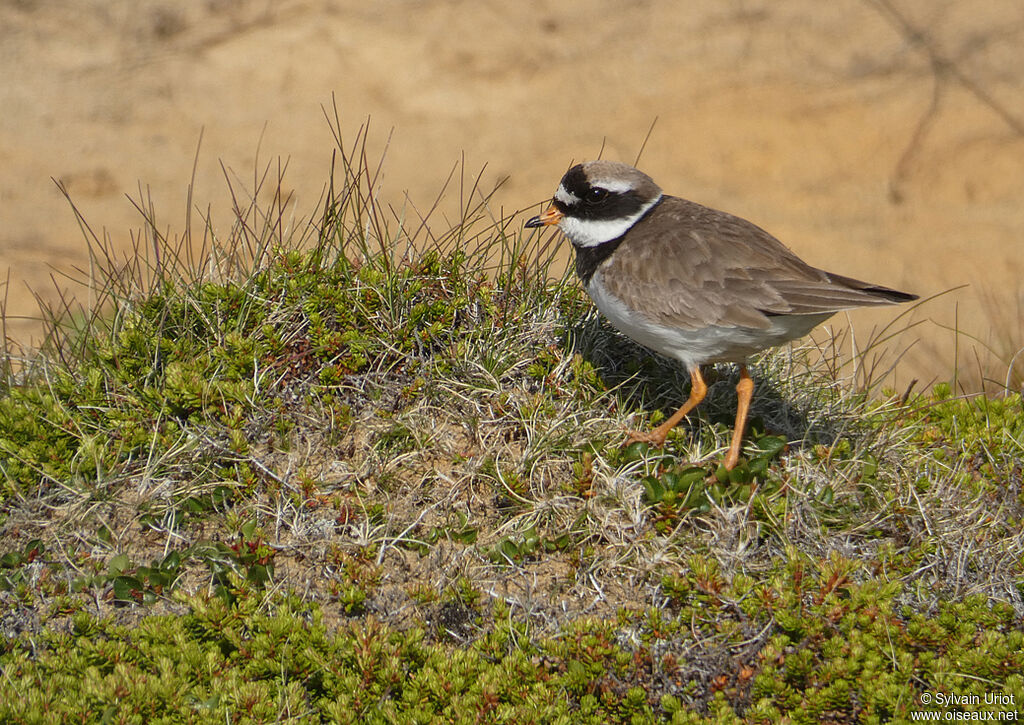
[{"x": 695, "y": 284}]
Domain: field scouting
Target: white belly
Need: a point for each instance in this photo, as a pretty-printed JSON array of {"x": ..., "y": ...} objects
[{"x": 706, "y": 345}]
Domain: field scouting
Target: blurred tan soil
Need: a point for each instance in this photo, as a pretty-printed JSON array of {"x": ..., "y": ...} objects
[{"x": 885, "y": 146}]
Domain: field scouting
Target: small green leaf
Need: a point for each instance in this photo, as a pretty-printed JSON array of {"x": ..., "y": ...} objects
[
  {"x": 635, "y": 451},
  {"x": 118, "y": 563},
  {"x": 771, "y": 446},
  {"x": 260, "y": 573},
  {"x": 248, "y": 529},
  {"x": 740, "y": 474},
  {"x": 654, "y": 492},
  {"x": 128, "y": 589},
  {"x": 171, "y": 562}
]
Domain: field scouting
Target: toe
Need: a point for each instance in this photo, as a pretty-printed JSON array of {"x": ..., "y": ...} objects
[{"x": 652, "y": 437}]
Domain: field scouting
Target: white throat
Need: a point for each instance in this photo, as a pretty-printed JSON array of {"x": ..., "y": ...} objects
[{"x": 594, "y": 232}]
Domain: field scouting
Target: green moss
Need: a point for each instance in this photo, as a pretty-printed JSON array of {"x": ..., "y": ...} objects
[
  {"x": 853, "y": 658},
  {"x": 984, "y": 434}
]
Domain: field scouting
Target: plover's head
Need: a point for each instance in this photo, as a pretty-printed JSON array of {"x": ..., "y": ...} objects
[{"x": 599, "y": 201}]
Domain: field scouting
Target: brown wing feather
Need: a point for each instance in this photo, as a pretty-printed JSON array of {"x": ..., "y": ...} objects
[{"x": 698, "y": 267}]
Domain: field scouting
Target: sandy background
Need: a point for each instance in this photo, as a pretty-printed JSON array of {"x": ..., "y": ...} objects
[{"x": 881, "y": 141}]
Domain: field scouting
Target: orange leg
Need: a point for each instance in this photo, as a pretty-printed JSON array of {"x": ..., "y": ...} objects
[
  {"x": 744, "y": 392},
  {"x": 698, "y": 390}
]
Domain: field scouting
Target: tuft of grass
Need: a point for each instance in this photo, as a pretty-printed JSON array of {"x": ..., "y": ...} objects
[{"x": 363, "y": 469}]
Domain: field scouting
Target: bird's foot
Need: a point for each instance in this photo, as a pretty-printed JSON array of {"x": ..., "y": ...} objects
[{"x": 654, "y": 437}]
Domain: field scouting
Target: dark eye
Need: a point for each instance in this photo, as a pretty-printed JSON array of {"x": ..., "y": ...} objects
[{"x": 596, "y": 195}]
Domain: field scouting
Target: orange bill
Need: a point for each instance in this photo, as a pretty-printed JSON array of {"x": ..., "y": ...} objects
[{"x": 549, "y": 217}]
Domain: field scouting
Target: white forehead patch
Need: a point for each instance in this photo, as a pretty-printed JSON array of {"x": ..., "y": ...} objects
[
  {"x": 616, "y": 186},
  {"x": 565, "y": 196},
  {"x": 593, "y": 232}
]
